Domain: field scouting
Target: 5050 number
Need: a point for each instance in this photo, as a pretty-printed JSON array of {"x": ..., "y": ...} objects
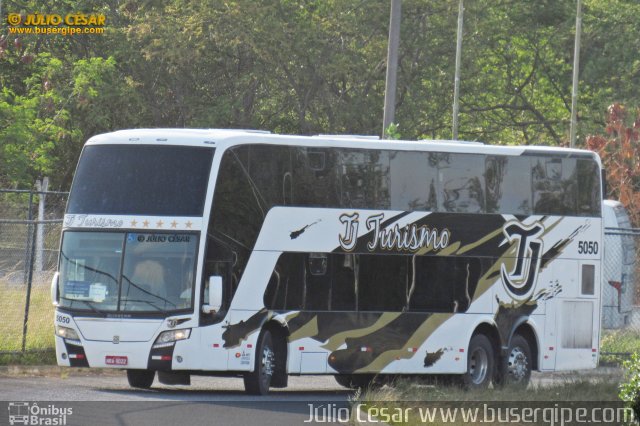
[{"x": 587, "y": 247}]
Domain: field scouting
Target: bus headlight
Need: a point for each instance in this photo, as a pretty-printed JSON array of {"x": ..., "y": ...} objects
[
  {"x": 67, "y": 333},
  {"x": 170, "y": 336}
]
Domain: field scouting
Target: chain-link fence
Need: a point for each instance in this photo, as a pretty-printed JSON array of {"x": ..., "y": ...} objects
[
  {"x": 30, "y": 225},
  {"x": 621, "y": 293}
]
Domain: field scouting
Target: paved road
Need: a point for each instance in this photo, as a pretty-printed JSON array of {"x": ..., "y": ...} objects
[
  {"x": 99, "y": 398},
  {"x": 108, "y": 400}
]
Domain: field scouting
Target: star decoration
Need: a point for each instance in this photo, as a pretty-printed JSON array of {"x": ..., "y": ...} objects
[
  {"x": 159, "y": 224},
  {"x": 145, "y": 223},
  {"x": 134, "y": 223},
  {"x": 188, "y": 224},
  {"x": 174, "y": 224}
]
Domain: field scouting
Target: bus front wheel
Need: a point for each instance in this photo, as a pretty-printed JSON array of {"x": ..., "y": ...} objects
[
  {"x": 142, "y": 379},
  {"x": 258, "y": 381}
]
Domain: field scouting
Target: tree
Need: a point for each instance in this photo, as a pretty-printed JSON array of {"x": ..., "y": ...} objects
[
  {"x": 307, "y": 66},
  {"x": 620, "y": 153},
  {"x": 44, "y": 128}
]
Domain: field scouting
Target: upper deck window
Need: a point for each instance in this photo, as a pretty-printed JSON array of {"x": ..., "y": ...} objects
[
  {"x": 355, "y": 178},
  {"x": 141, "y": 180}
]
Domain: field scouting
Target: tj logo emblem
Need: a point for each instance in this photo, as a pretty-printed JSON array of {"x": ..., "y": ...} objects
[
  {"x": 350, "y": 238},
  {"x": 521, "y": 281}
]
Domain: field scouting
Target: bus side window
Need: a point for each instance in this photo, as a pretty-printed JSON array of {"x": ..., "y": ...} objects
[
  {"x": 588, "y": 188},
  {"x": 222, "y": 261},
  {"x": 318, "y": 275},
  {"x": 434, "y": 285},
  {"x": 270, "y": 170},
  {"x": 462, "y": 182},
  {"x": 444, "y": 284},
  {"x": 466, "y": 276},
  {"x": 503, "y": 178},
  {"x": 343, "y": 292},
  {"x": 237, "y": 209},
  {"x": 286, "y": 285},
  {"x": 293, "y": 286},
  {"x": 382, "y": 282},
  {"x": 274, "y": 295},
  {"x": 554, "y": 186},
  {"x": 412, "y": 182},
  {"x": 364, "y": 179},
  {"x": 315, "y": 178}
]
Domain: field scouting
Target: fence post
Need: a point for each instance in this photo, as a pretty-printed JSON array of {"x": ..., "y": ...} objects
[
  {"x": 28, "y": 296},
  {"x": 29, "y": 237},
  {"x": 42, "y": 189}
]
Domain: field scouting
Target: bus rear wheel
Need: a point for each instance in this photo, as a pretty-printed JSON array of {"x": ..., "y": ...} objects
[
  {"x": 142, "y": 379},
  {"x": 480, "y": 363},
  {"x": 258, "y": 381},
  {"x": 516, "y": 367}
]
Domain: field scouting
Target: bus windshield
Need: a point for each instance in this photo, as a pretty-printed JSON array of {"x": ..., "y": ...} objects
[
  {"x": 141, "y": 180},
  {"x": 127, "y": 272}
]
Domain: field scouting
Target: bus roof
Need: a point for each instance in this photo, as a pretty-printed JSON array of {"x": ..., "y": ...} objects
[{"x": 224, "y": 138}]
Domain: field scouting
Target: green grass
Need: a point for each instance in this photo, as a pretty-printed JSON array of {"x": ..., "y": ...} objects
[
  {"x": 45, "y": 357},
  {"x": 405, "y": 394},
  {"x": 40, "y": 332},
  {"x": 620, "y": 342},
  {"x": 567, "y": 389}
]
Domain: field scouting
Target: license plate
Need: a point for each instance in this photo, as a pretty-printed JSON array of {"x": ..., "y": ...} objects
[{"x": 116, "y": 360}]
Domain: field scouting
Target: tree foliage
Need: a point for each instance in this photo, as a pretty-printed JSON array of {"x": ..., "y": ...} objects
[
  {"x": 307, "y": 66},
  {"x": 620, "y": 153},
  {"x": 629, "y": 389}
]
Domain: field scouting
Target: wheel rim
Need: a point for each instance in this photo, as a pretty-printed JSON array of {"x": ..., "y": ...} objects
[
  {"x": 517, "y": 365},
  {"x": 478, "y": 366}
]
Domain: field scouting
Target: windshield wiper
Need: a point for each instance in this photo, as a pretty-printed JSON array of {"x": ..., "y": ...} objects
[
  {"x": 86, "y": 302},
  {"x": 125, "y": 301},
  {"x": 132, "y": 284}
]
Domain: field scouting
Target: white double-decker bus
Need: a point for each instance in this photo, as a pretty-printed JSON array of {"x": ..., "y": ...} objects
[{"x": 261, "y": 256}]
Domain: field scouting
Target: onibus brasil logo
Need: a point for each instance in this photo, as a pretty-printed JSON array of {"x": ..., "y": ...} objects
[{"x": 27, "y": 413}]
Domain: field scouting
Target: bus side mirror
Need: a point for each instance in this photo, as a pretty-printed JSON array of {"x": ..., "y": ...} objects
[
  {"x": 214, "y": 302},
  {"x": 54, "y": 288}
]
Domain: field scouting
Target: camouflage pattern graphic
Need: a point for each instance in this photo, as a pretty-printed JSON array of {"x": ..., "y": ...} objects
[
  {"x": 372, "y": 340},
  {"x": 432, "y": 358},
  {"x": 367, "y": 342},
  {"x": 236, "y": 333}
]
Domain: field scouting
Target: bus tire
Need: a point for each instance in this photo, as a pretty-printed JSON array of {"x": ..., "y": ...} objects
[
  {"x": 515, "y": 368},
  {"x": 142, "y": 379},
  {"x": 258, "y": 381},
  {"x": 480, "y": 363},
  {"x": 280, "y": 377}
]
